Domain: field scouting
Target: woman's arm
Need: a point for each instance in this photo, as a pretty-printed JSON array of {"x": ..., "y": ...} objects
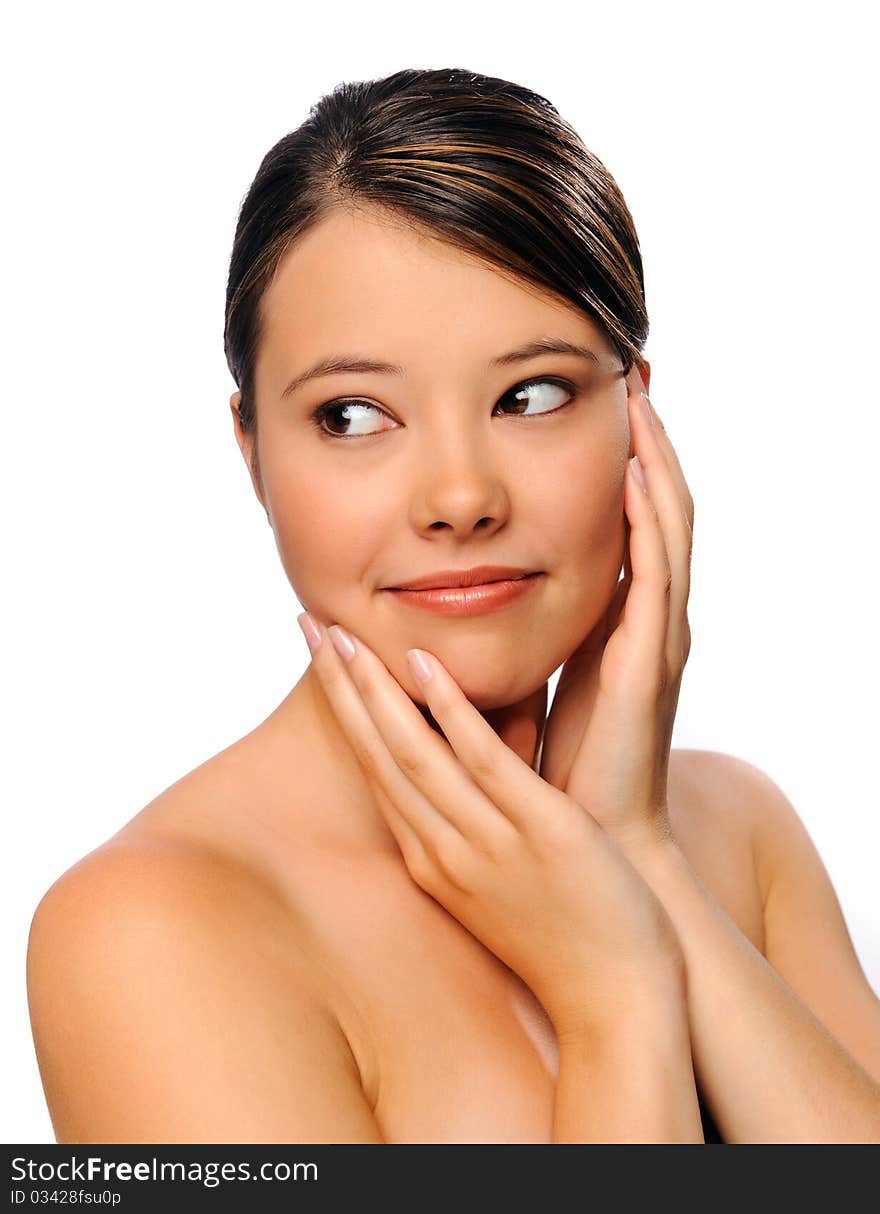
[
  {"x": 769, "y": 1069},
  {"x": 168, "y": 1004},
  {"x": 629, "y": 1078}
]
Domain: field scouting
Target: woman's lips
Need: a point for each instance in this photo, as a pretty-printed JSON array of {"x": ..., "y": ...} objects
[{"x": 468, "y": 600}]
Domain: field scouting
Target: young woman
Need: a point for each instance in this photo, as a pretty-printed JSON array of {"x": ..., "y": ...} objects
[{"x": 413, "y": 911}]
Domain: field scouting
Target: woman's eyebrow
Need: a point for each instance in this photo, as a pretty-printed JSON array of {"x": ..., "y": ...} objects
[{"x": 339, "y": 364}]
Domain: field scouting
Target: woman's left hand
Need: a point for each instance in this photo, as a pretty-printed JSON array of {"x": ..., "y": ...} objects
[{"x": 607, "y": 738}]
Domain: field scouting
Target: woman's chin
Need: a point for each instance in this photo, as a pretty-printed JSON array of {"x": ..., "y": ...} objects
[{"x": 490, "y": 693}]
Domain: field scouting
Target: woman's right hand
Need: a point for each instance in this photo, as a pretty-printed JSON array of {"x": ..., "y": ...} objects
[{"x": 521, "y": 864}]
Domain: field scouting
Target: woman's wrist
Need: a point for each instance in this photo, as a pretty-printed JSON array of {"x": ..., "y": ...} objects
[
  {"x": 623, "y": 1006},
  {"x": 628, "y": 1076}
]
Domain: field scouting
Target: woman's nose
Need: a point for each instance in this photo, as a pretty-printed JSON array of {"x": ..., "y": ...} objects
[{"x": 458, "y": 486}]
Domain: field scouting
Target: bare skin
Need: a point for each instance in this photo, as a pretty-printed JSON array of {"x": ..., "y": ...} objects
[
  {"x": 393, "y": 1019},
  {"x": 450, "y": 1045}
]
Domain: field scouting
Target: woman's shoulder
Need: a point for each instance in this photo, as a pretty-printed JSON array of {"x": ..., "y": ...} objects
[
  {"x": 181, "y": 849},
  {"x": 146, "y": 898},
  {"x": 804, "y": 935},
  {"x": 717, "y": 791},
  {"x": 740, "y": 831},
  {"x": 169, "y": 992},
  {"x": 713, "y": 811},
  {"x": 174, "y": 860},
  {"x": 704, "y": 779},
  {"x": 146, "y": 865}
]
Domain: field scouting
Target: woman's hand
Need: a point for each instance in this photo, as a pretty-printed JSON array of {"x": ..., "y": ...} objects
[
  {"x": 519, "y": 863},
  {"x": 607, "y": 738}
]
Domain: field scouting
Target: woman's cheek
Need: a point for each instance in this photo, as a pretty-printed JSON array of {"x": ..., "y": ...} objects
[
  {"x": 590, "y": 535},
  {"x": 329, "y": 542}
]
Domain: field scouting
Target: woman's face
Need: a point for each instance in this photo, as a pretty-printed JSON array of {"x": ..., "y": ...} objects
[{"x": 458, "y": 459}]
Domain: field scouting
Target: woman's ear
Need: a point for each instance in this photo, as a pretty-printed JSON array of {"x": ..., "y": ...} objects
[
  {"x": 645, "y": 372},
  {"x": 246, "y": 446}
]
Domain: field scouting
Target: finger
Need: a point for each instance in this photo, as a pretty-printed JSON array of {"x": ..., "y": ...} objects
[
  {"x": 487, "y": 785},
  {"x": 675, "y": 469},
  {"x": 645, "y": 619},
  {"x": 674, "y": 524},
  {"x": 413, "y": 849},
  {"x": 527, "y": 800},
  {"x": 424, "y": 761},
  {"x": 687, "y": 503},
  {"x": 417, "y": 825}
]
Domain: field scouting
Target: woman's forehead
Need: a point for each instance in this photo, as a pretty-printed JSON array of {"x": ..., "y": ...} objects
[{"x": 354, "y": 280}]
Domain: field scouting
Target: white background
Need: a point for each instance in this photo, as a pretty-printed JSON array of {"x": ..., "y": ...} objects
[{"x": 147, "y": 620}]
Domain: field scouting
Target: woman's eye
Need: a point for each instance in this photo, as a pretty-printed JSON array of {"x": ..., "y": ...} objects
[
  {"x": 522, "y": 393},
  {"x": 337, "y": 408},
  {"x": 545, "y": 392}
]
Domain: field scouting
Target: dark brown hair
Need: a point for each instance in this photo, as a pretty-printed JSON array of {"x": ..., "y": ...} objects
[{"x": 484, "y": 164}]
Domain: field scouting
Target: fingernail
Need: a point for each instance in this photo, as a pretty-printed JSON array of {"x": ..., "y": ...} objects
[
  {"x": 419, "y": 666},
  {"x": 342, "y": 642},
  {"x": 646, "y": 405},
  {"x": 311, "y": 631},
  {"x": 638, "y": 470}
]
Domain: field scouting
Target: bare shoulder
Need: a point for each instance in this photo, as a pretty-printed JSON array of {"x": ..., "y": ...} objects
[
  {"x": 712, "y": 792},
  {"x": 147, "y": 876},
  {"x": 172, "y": 999},
  {"x": 713, "y": 809},
  {"x": 711, "y": 779},
  {"x": 805, "y": 935},
  {"x": 736, "y": 797}
]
